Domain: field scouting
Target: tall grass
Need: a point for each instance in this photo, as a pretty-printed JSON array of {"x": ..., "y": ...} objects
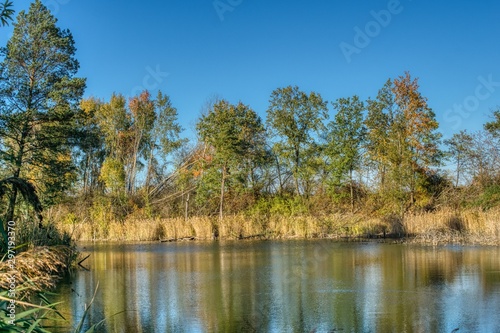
[
  {"x": 448, "y": 226},
  {"x": 37, "y": 269},
  {"x": 468, "y": 226}
]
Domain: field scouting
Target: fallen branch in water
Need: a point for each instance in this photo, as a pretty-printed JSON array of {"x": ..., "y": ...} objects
[
  {"x": 252, "y": 236},
  {"x": 80, "y": 263},
  {"x": 189, "y": 238}
]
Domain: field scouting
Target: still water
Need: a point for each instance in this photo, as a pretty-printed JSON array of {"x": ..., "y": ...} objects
[{"x": 289, "y": 286}]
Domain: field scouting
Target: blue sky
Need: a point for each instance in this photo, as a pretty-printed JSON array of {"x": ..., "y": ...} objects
[{"x": 246, "y": 49}]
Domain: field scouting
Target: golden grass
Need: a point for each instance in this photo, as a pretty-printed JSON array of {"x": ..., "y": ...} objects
[
  {"x": 472, "y": 226},
  {"x": 448, "y": 226},
  {"x": 37, "y": 269}
]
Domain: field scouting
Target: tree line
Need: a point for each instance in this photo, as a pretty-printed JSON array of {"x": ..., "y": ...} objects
[{"x": 124, "y": 157}]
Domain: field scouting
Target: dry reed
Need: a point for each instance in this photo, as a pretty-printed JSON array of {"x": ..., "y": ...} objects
[
  {"x": 472, "y": 226},
  {"x": 37, "y": 269}
]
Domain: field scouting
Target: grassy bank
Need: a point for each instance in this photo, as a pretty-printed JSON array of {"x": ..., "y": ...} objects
[
  {"x": 446, "y": 226},
  {"x": 38, "y": 269}
]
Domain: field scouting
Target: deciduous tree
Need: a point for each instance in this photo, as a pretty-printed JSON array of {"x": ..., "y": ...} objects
[
  {"x": 345, "y": 141},
  {"x": 295, "y": 120},
  {"x": 460, "y": 150},
  {"x": 231, "y": 132},
  {"x": 403, "y": 141}
]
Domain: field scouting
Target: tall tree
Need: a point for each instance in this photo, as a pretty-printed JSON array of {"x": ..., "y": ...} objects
[
  {"x": 164, "y": 138},
  {"x": 403, "y": 141},
  {"x": 114, "y": 122},
  {"x": 345, "y": 141},
  {"x": 91, "y": 151},
  {"x": 378, "y": 123},
  {"x": 415, "y": 129},
  {"x": 460, "y": 149},
  {"x": 39, "y": 96},
  {"x": 134, "y": 135},
  {"x": 483, "y": 160},
  {"x": 231, "y": 131},
  {"x": 295, "y": 119},
  {"x": 142, "y": 110}
]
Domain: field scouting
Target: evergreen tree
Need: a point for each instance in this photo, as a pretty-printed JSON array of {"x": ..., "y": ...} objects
[
  {"x": 39, "y": 97},
  {"x": 6, "y": 12},
  {"x": 493, "y": 127}
]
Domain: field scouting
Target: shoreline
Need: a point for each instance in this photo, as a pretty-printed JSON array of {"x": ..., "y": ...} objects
[
  {"x": 435, "y": 228},
  {"x": 38, "y": 269},
  {"x": 425, "y": 240}
]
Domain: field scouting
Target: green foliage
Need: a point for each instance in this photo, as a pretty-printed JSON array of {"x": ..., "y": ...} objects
[
  {"x": 403, "y": 142},
  {"x": 31, "y": 317},
  {"x": 493, "y": 127},
  {"x": 38, "y": 110},
  {"x": 345, "y": 140},
  {"x": 113, "y": 175},
  {"x": 166, "y": 129},
  {"x": 489, "y": 198},
  {"x": 124, "y": 138},
  {"x": 285, "y": 206},
  {"x": 29, "y": 194},
  {"x": 28, "y": 320},
  {"x": 345, "y": 137},
  {"x": 91, "y": 149},
  {"x": 234, "y": 136},
  {"x": 460, "y": 150},
  {"x": 295, "y": 120},
  {"x": 109, "y": 208}
]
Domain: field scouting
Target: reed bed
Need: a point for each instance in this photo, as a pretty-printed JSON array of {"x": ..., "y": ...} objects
[
  {"x": 473, "y": 226},
  {"x": 37, "y": 269},
  {"x": 448, "y": 226},
  {"x": 231, "y": 227}
]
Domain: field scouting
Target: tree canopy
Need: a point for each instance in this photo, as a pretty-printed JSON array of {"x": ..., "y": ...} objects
[{"x": 40, "y": 95}]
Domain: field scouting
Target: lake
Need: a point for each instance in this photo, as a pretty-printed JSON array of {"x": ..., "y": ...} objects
[{"x": 286, "y": 286}]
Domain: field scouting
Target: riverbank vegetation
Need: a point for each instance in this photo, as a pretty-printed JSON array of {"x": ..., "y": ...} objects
[
  {"x": 119, "y": 169},
  {"x": 443, "y": 227}
]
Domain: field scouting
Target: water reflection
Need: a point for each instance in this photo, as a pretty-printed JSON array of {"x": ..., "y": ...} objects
[{"x": 293, "y": 286}]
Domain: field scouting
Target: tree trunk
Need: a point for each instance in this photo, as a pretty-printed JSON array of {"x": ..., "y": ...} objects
[
  {"x": 17, "y": 173},
  {"x": 352, "y": 191},
  {"x": 296, "y": 173},
  {"x": 278, "y": 168},
  {"x": 222, "y": 185},
  {"x": 186, "y": 209},
  {"x": 149, "y": 170},
  {"x": 133, "y": 169},
  {"x": 12, "y": 204}
]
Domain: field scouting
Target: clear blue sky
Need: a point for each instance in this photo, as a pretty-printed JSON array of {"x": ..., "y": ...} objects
[{"x": 262, "y": 45}]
